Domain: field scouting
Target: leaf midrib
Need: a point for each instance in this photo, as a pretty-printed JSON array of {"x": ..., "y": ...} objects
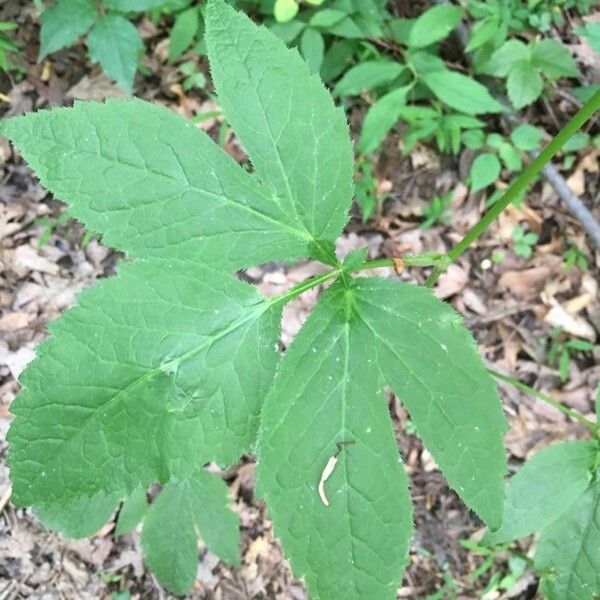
[
  {"x": 301, "y": 233},
  {"x": 260, "y": 309}
]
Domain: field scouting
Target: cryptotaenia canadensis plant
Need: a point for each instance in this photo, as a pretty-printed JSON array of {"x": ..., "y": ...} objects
[{"x": 174, "y": 363}]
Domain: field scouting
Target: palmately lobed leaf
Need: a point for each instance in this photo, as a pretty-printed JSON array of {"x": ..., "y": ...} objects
[
  {"x": 186, "y": 508},
  {"x": 329, "y": 391},
  {"x": 154, "y": 185},
  {"x": 154, "y": 372},
  {"x": 297, "y": 140},
  {"x": 430, "y": 361},
  {"x": 363, "y": 334}
]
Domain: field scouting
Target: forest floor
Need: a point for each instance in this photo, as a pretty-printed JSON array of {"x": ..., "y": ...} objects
[{"x": 510, "y": 306}]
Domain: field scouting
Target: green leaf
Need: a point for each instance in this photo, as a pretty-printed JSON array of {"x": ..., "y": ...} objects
[
  {"x": 285, "y": 110},
  {"x": 585, "y": 92},
  {"x": 591, "y": 32},
  {"x": 329, "y": 390},
  {"x": 482, "y": 32},
  {"x": 485, "y": 170},
  {"x": 327, "y": 17},
  {"x": 423, "y": 62},
  {"x": 524, "y": 84},
  {"x": 553, "y": 59},
  {"x": 153, "y": 373},
  {"x": 64, "y": 22},
  {"x": 338, "y": 58},
  {"x": 569, "y": 551},
  {"x": 116, "y": 44},
  {"x": 289, "y": 31},
  {"x": 526, "y": 137},
  {"x": 381, "y": 117},
  {"x": 597, "y": 402},
  {"x": 510, "y": 157},
  {"x": 313, "y": 48},
  {"x": 431, "y": 363},
  {"x": 79, "y": 517},
  {"x": 576, "y": 142},
  {"x": 355, "y": 258},
  {"x": 544, "y": 488},
  {"x": 461, "y": 92},
  {"x": 133, "y": 5},
  {"x": 185, "y": 508},
  {"x": 473, "y": 139},
  {"x": 564, "y": 365},
  {"x": 503, "y": 59},
  {"x": 433, "y": 25},
  {"x": 183, "y": 32},
  {"x": 155, "y": 185},
  {"x": 132, "y": 512},
  {"x": 368, "y": 75},
  {"x": 347, "y": 28}
]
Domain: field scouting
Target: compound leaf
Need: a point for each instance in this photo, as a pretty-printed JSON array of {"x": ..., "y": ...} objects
[
  {"x": 116, "y": 44},
  {"x": 431, "y": 363},
  {"x": 79, "y": 517},
  {"x": 64, "y": 22},
  {"x": 185, "y": 509},
  {"x": 568, "y": 554},
  {"x": 544, "y": 488},
  {"x": 154, "y": 184},
  {"x": 329, "y": 391},
  {"x": 153, "y": 373},
  {"x": 296, "y": 138}
]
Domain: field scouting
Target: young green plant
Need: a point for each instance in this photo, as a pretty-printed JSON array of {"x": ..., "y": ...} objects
[{"x": 174, "y": 363}]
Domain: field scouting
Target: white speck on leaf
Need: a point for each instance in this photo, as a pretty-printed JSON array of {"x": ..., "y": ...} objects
[{"x": 327, "y": 471}]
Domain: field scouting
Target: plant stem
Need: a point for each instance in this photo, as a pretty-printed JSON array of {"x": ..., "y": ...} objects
[
  {"x": 573, "y": 414},
  {"x": 303, "y": 286},
  {"x": 521, "y": 182}
]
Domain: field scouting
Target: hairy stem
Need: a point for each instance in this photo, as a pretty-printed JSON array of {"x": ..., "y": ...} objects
[
  {"x": 521, "y": 182},
  {"x": 304, "y": 286},
  {"x": 419, "y": 260},
  {"x": 573, "y": 414}
]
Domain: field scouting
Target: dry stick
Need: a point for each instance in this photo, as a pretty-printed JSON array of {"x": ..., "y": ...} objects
[{"x": 573, "y": 203}]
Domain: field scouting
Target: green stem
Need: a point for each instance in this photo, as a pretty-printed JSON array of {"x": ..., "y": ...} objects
[
  {"x": 573, "y": 414},
  {"x": 303, "y": 286},
  {"x": 521, "y": 182}
]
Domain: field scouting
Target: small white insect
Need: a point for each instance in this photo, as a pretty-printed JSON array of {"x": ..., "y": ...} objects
[{"x": 328, "y": 470}]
